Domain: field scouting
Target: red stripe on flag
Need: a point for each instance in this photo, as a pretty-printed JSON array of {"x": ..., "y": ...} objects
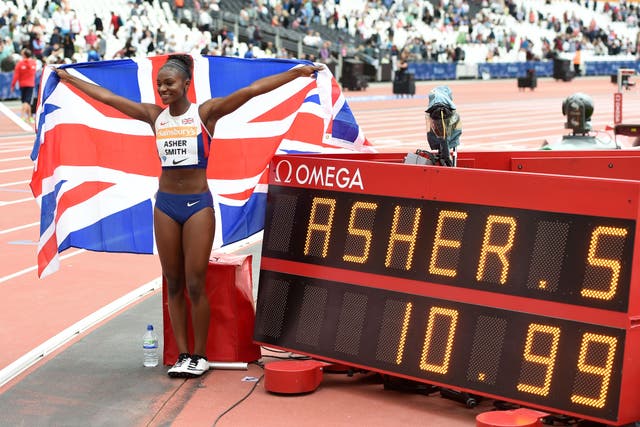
[
  {"x": 335, "y": 91},
  {"x": 104, "y": 109},
  {"x": 264, "y": 178},
  {"x": 243, "y": 195},
  {"x": 286, "y": 108},
  {"x": 79, "y": 194},
  {"x": 36, "y": 183},
  {"x": 307, "y": 127},
  {"x": 79, "y": 145},
  {"x": 240, "y": 158},
  {"x": 47, "y": 253}
]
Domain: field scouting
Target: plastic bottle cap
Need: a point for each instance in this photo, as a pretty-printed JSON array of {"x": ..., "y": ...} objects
[{"x": 149, "y": 327}]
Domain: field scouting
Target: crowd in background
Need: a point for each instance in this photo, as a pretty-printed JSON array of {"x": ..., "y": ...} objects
[{"x": 415, "y": 30}]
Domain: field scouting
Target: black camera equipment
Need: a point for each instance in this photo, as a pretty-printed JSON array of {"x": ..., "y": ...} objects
[{"x": 443, "y": 130}]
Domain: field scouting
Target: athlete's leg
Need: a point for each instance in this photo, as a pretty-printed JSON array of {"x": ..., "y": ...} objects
[
  {"x": 169, "y": 242},
  {"x": 197, "y": 241}
]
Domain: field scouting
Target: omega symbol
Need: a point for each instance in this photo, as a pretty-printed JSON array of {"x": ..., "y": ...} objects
[{"x": 289, "y": 171}]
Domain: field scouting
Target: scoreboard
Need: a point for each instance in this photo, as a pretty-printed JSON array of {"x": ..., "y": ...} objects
[{"x": 494, "y": 278}]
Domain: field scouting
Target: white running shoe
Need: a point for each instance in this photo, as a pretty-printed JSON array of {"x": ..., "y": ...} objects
[
  {"x": 197, "y": 366},
  {"x": 178, "y": 369}
]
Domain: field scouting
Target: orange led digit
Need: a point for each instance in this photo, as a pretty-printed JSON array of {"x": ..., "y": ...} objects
[
  {"x": 320, "y": 227},
  {"x": 395, "y": 236},
  {"x": 440, "y": 242},
  {"x": 359, "y": 232},
  {"x": 612, "y": 264},
  {"x": 589, "y": 339},
  {"x": 403, "y": 334},
  {"x": 434, "y": 313},
  {"x": 548, "y": 360},
  {"x": 500, "y": 250}
]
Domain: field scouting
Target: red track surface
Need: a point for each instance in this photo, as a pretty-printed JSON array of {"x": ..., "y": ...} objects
[{"x": 495, "y": 116}]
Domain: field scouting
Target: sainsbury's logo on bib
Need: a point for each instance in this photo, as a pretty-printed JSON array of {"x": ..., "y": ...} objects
[{"x": 177, "y": 132}]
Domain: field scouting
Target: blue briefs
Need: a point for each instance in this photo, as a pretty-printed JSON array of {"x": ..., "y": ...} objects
[{"x": 180, "y": 207}]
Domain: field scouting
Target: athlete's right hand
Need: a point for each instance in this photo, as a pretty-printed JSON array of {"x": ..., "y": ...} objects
[{"x": 61, "y": 73}]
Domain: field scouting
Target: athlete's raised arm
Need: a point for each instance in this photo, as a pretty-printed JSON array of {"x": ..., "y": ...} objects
[{"x": 214, "y": 109}]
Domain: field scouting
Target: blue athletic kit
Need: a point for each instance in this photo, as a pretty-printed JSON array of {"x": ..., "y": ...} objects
[
  {"x": 180, "y": 207},
  {"x": 182, "y": 142}
]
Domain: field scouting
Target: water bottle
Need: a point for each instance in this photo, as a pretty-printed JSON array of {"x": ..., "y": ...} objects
[{"x": 150, "y": 347}]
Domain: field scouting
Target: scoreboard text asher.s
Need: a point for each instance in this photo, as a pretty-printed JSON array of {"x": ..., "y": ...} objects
[{"x": 414, "y": 272}]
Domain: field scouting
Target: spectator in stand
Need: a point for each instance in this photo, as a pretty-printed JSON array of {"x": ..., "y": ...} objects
[
  {"x": 65, "y": 22},
  {"x": 269, "y": 50},
  {"x": 97, "y": 23},
  {"x": 205, "y": 21},
  {"x": 312, "y": 38},
  {"x": 115, "y": 23},
  {"x": 7, "y": 63},
  {"x": 92, "y": 54},
  {"x": 68, "y": 46},
  {"x": 249, "y": 53},
  {"x": 55, "y": 54},
  {"x": 56, "y": 37},
  {"x": 127, "y": 51},
  {"x": 243, "y": 17},
  {"x": 37, "y": 26},
  {"x": 25, "y": 75},
  {"x": 223, "y": 33},
  {"x": 37, "y": 45},
  {"x": 145, "y": 44},
  {"x": 90, "y": 38},
  {"x": 57, "y": 17},
  {"x": 178, "y": 6},
  {"x": 101, "y": 45},
  {"x": 257, "y": 36},
  {"x": 324, "y": 54},
  {"x": 75, "y": 24}
]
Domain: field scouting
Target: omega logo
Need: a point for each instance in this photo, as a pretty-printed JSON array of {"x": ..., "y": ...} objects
[{"x": 322, "y": 176}]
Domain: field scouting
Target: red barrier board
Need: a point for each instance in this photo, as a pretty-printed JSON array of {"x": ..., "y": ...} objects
[
  {"x": 230, "y": 294},
  {"x": 503, "y": 278}
]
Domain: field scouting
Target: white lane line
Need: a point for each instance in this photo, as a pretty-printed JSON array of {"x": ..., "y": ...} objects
[
  {"x": 35, "y": 267},
  {"x": 24, "y": 168},
  {"x": 15, "y": 202},
  {"x": 15, "y": 138},
  {"x": 44, "y": 349},
  {"x": 18, "y": 228},
  {"x": 12, "y": 159},
  {"x": 10, "y": 184},
  {"x": 18, "y": 142},
  {"x": 15, "y": 119},
  {"x": 37, "y": 354},
  {"x": 13, "y": 150}
]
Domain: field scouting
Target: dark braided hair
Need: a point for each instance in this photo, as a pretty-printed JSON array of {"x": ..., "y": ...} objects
[{"x": 181, "y": 62}]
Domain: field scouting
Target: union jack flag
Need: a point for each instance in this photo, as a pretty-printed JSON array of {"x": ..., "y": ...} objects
[{"x": 96, "y": 170}]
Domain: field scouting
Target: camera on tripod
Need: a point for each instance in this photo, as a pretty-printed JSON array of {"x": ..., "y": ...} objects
[
  {"x": 578, "y": 108},
  {"x": 443, "y": 131}
]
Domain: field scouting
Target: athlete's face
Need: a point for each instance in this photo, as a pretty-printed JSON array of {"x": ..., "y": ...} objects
[{"x": 172, "y": 85}]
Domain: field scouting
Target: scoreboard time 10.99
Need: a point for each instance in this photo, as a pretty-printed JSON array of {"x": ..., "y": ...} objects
[{"x": 516, "y": 286}]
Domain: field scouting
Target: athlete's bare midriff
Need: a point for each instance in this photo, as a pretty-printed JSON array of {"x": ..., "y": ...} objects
[{"x": 184, "y": 181}]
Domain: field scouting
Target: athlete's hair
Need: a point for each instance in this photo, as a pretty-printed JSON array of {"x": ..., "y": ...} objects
[{"x": 181, "y": 62}]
